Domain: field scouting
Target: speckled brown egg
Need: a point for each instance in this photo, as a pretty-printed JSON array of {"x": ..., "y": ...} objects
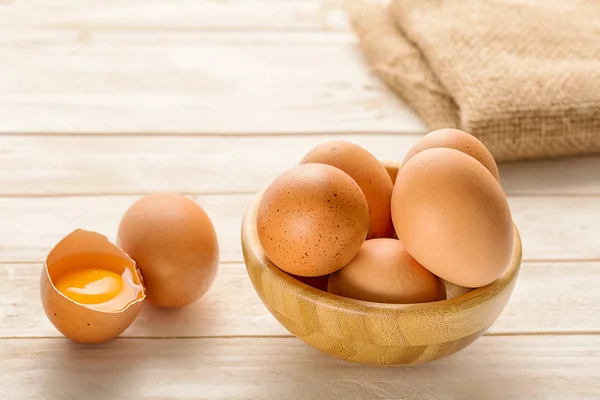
[
  {"x": 452, "y": 216},
  {"x": 384, "y": 272},
  {"x": 174, "y": 244},
  {"x": 368, "y": 172},
  {"x": 91, "y": 291},
  {"x": 458, "y": 140},
  {"x": 312, "y": 220}
]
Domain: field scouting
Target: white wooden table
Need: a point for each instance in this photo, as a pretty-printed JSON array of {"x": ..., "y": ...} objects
[{"x": 104, "y": 101}]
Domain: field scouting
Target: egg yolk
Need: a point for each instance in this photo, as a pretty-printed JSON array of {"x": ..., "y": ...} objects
[
  {"x": 101, "y": 289},
  {"x": 90, "y": 286}
]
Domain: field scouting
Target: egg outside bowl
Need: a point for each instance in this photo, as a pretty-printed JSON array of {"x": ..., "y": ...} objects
[{"x": 375, "y": 333}]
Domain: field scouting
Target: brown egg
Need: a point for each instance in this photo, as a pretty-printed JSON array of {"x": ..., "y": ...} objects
[
  {"x": 458, "y": 140},
  {"x": 312, "y": 220},
  {"x": 368, "y": 172},
  {"x": 175, "y": 246},
  {"x": 452, "y": 216},
  {"x": 384, "y": 272},
  {"x": 90, "y": 289}
]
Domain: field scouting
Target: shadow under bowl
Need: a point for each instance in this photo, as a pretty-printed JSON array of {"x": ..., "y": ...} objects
[{"x": 374, "y": 333}]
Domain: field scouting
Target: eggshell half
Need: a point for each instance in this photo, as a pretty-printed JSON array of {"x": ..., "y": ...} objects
[
  {"x": 371, "y": 176},
  {"x": 78, "y": 321},
  {"x": 452, "y": 216}
]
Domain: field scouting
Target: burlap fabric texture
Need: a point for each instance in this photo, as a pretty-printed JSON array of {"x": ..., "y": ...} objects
[{"x": 521, "y": 75}]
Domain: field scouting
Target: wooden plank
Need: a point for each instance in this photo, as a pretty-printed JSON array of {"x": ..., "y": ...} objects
[
  {"x": 568, "y": 175},
  {"x": 54, "y": 165},
  {"x": 548, "y": 298},
  {"x": 553, "y": 298},
  {"x": 32, "y": 226},
  {"x": 230, "y": 308},
  {"x": 132, "y": 164},
  {"x": 98, "y": 39},
  {"x": 508, "y": 368},
  {"x": 552, "y": 228},
  {"x": 175, "y": 15},
  {"x": 557, "y": 228},
  {"x": 192, "y": 83}
]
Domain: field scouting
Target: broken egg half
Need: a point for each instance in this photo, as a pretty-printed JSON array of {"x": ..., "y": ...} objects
[{"x": 90, "y": 289}]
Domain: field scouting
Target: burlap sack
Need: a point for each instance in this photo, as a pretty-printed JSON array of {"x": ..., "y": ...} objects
[{"x": 521, "y": 75}]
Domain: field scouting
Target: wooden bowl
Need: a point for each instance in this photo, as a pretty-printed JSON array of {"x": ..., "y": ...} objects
[{"x": 374, "y": 333}]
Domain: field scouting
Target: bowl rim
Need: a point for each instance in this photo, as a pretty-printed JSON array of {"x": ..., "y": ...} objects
[{"x": 254, "y": 254}]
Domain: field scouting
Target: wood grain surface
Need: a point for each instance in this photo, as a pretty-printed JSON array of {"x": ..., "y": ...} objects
[
  {"x": 541, "y": 367},
  {"x": 549, "y": 297},
  {"x": 102, "y": 102},
  {"x": 202, "y": 164},
  {"x": 191, "y": 82},
  {"x": 556, "y": 228},
  {"x": 155, "y": 15}
]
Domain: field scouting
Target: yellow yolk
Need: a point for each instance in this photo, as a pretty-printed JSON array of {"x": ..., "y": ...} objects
[
  {"x": 90, "y": 286},
  {"x": 100, "y": 289}
]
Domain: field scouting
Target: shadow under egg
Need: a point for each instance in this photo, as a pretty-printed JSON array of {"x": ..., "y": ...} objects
[
  {"x": 155, "y": 321},
  {"x": 317, "y": 282}
]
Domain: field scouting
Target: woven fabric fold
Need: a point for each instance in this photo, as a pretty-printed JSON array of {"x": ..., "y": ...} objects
[{"x": 521, "y": 75}]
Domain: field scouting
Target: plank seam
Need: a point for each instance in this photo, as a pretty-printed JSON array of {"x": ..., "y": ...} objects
[
  {"x": 228, "y": 262},
  {"x": 239, "y": 29},
  {"x": 214, "y": 134},
  {"x": 491, "y": 334},
  {"x": 250, "y": 192}
]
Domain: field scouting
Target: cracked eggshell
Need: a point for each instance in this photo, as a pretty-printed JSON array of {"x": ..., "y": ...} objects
[{"x": 75, "y": 320}]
